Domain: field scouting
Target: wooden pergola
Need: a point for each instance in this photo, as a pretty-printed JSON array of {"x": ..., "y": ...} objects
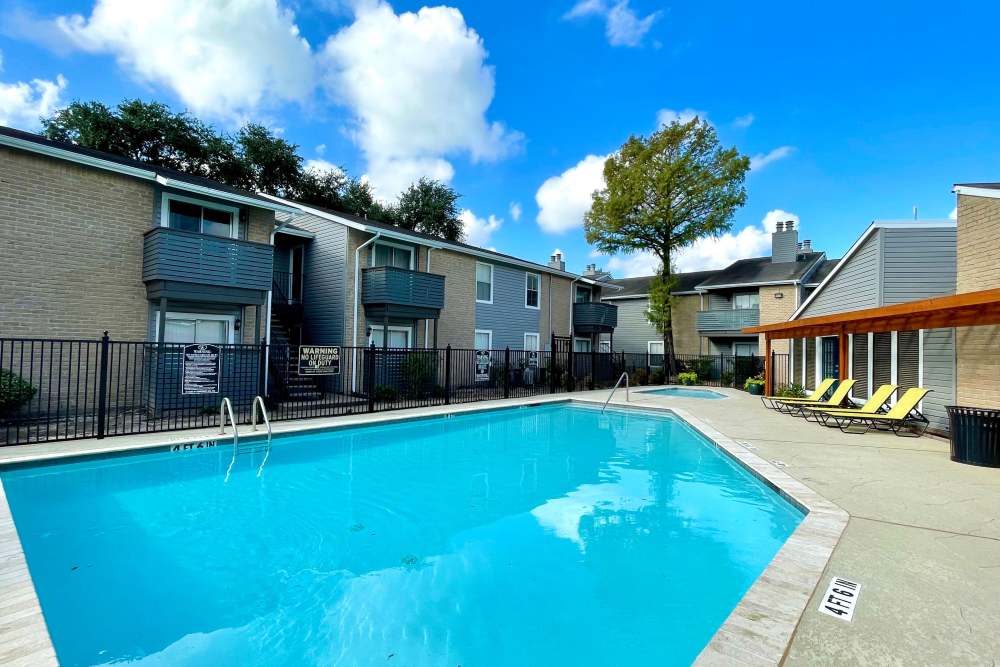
[{"x": 958, "y": 310}]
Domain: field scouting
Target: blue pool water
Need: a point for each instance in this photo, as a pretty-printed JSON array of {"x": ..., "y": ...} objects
[
  {"x": 549, "y": 535},
  {"x": 685, "y": 392}
]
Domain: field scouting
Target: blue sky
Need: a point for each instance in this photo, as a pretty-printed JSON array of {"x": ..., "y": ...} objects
[{"x": 852, "y": 113}]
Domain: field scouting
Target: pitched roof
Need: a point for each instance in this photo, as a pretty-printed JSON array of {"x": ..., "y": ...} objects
[
  {"x": 822, "y": 271},
  {"x": 988, "y": 186},
  {"x": 639, "y": 287},
  {"x": 756, "y": 270},
  {"x": 27, "y": 141},
  {"x": 437, "y": 240}
]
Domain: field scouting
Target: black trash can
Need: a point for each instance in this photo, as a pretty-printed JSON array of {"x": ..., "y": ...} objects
[{"x": 975, "y": 436}]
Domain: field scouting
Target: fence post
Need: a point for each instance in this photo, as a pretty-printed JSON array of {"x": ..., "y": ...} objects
[
  {"x": 506, "y": 372},
  {"x": 447, "y": 375},
  {"x": 102, "y": 385},
  {"x": 261, "y": 369},
  {"x": 370, "y": 376},
  {"x": 593, "y": 366},
  {"x": 572, "y": 366}
]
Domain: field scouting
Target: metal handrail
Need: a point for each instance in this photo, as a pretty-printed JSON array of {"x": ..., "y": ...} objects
[
  {"x": 223, "y": 407},
  {"x": 263, "y": 411},
  {"x": 624, "y": 376}
]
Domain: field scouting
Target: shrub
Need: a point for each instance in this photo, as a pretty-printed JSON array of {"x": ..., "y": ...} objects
[
  {"x": 701, "y": 367},
  {"x": 757, "y": 380},
  {"x": 656, "y": 377},
  {"x": 418, "y": 371},
  {"x": 568, "y": 382},
  {"x": 726, "y": 379},
  {"x": 639, "y": 377},
  {"x": 15, "y": 391},
  {"x": 386, "y": 394},
  {"x": 687, "y": 378},
  {"x": 793, "y": 390}
]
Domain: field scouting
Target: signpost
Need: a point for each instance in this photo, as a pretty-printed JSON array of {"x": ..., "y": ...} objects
[
  {"x": 482, "y": 365},
  {"x": 319, "y": 360},
  {"x": 532, "y": 359},
  {"x": 201, "y": 370}
]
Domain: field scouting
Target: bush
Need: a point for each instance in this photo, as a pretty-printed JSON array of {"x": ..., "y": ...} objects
[
  {"x": 726, "y": 379},
  {"x": 687, "y": 378},
  {"x": 793, "y": 390},
  {"x": 568, "y": 382},
  {"x": 656, "y": 377},
  {"x": 418, "y": 371},
  {"x": 639, "y": 377},
  {"x": 701, "y": 367},
  {"x": 757, "y": 380},
  {"x": 385, "y": 393},
  {"x": 15, "y": 391}
]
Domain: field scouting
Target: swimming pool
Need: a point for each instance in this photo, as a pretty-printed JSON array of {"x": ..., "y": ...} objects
[
  {"x": 540, "y": 535},
  {"x": 687, "y": 392}
]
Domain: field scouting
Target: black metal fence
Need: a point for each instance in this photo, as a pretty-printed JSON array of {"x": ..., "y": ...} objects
[{"x": 68, "y": 389}]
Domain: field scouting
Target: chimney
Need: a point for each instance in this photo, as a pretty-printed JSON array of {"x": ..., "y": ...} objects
[
  {"x": 807, "y": 246},
  {"x": 784, "y": 242},
  {"x": 595, "y": 273},
  {"x": 556, "y": 262}
]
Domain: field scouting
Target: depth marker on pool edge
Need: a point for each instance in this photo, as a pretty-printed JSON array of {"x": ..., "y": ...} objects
[{"x": 840, "y": 598}]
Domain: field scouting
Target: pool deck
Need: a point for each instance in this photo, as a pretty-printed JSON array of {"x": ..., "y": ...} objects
[{"x": 922, "y": 538}]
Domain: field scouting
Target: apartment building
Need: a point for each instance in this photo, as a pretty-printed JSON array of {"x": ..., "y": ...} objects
[{"x": 712, "y": 307}]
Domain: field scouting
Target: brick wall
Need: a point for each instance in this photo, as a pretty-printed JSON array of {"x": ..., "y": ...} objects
[
  {"x": 260, "y": 223},
  {"x": 978, "y": 348},
  {"x": 560, "y": 307},
  {"x": 71, "y": 248},
  {"x": 684, "y": 320},
  {"x": 458, "y": 317},
  {"x": 774, "y": 309}
]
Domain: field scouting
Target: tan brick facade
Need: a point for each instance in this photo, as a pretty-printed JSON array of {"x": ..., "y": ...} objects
[
  {"x": 71, "y": 248},
  {"x": 978, "y": 348},
  {"x": 558, "y": 308},
  {"x": 71, "y": 238},
  {"x": 776, "y": 309},
  {"x": 684, "y": 320}
]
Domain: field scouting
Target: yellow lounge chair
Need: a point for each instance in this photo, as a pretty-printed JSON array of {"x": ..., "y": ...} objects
[
  {"x": 873, "y": 406},
  {"x": 796, "y": 406},
  {"x": 817, "y": 395},
  {"x": 902, "y": 416}
]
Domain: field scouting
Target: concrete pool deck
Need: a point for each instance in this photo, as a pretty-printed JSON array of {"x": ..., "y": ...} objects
[{"x": 923, "y": 537}]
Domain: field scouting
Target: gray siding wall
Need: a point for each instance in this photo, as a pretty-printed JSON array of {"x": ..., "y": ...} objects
[
  {"x": 855, "y": 286},
  {"x": 634, "y": 331},
  {"x": 939, "y": 375},
  {"x": 917, "y": 264},
  {"x": 859, "y": 367},
  {"x": 507, "y": 317},
  {"x": 810, "y": 382},
  {"x": 324, "y": 269}
]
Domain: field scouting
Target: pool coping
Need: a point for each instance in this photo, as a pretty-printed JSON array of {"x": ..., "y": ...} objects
[
  {"x": 652, "y": 391},
  {"x": 757, "y": 632}
]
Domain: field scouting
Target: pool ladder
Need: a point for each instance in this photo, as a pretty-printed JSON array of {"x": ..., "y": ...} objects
[
  {"x": 624, "y": 376},
  {"x": 226, "y": 408}
]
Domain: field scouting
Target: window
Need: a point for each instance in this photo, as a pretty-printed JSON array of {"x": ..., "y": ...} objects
[
  {"x": 654, "y": 349},
  {"x": 582, "y": 294},
  {"x": 399, "y": 337},
  {"x": 605, "y": 346},
  {"x": 190, "y": 215},
  {"x": 484, "y": 339},
  {"x": 746, "y": 300},
  {"x": 581, "y": 345},
  {"x": 532, "y": 287},
  {"x": 531, "y": 342},
  {"x": 484, "y": 282},
  {"x": 384, "y": 254},
  {"x": 195, "y": 328}
]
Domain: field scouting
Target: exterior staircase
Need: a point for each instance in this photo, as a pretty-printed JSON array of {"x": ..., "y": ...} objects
[{"x": 284, "y": 361}]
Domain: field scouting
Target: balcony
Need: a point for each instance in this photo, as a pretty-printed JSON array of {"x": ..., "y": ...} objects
[
  {"x": 179, "y": 264},
  {"x": 393, "y": 292},
  {"x": 728, "y": 319},
  {"x": 591, "y": 317}
]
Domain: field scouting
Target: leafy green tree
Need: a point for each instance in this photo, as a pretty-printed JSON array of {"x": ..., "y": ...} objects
[
  {"x": 359, "y": 198},
  {"x": 662, "y": 193},
  {"x": 322, "y": 188},
  {"x": 661, "y": 303},
  {"x": 269, "y": 163},
  {"x": 430, "y": 207}
]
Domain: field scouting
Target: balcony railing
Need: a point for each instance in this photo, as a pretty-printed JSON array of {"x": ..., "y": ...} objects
[
  {"x": 728, "y": 319},
  {"x": 391, "y": 286},
  {"x": 179, "y": 256},
  {"x": 594, "y": 317}
]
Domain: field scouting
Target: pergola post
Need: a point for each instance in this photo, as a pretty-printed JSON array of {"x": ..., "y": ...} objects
[
  {"x": 768, "y": 371},
  {"x": 842, "y": 354}
]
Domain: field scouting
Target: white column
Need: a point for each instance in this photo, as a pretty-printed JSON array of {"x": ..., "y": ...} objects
[
  {"x": 819, "y": 362},
  {"x": 804, "y": 364},
  {"x": 871, "y": 361},
  {"x": 850, "y": 359},
  {"x": 920, "y": 365},
  {"x": 893, "y": 363}
]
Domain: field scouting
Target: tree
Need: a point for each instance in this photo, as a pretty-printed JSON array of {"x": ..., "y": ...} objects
[
  {"x": 269, "y": 163},
  {"x": 662, "y": 193},
  {"x": 661, "y": 303},
  {"x": 430, "y": 207},
  {"x": 359, "y": 198}
]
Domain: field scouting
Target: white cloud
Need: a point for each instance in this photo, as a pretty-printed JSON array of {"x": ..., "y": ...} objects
[
  {"x": 319, "y": 165},
  {"x": 668, "y": 116},
  {"x": 478, "y": 231},
  {"x": 515, "y": 211},
  {"x": 744, "y": 121},
  {"x": 320, "y": 149},
  {"x": 761, "y": 160},
  {"x": 707, "y": 253},
  {"x": 23, "y": 103},
  {"x": 419, "y": 88},
  {"x": 564, "y": 199},
  {"x": 954, "y": 214},
  {"x": 623, "y": 27},
  {"x": 222, "y": 59}
]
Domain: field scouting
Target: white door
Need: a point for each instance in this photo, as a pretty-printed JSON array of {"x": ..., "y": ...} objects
[{"x": 655, "y": 350}]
